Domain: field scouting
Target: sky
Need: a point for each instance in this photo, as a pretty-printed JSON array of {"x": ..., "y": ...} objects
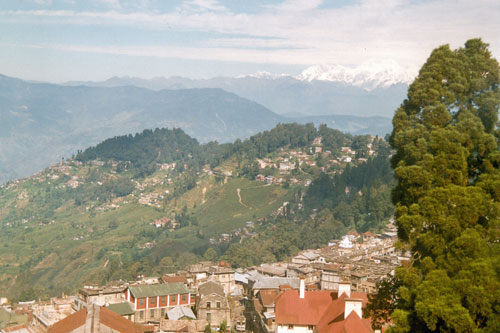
[{"x": 62, "y": 40}]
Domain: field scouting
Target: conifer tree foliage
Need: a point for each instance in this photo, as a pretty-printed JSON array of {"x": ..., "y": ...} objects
[{"x": 447, "y": 197}]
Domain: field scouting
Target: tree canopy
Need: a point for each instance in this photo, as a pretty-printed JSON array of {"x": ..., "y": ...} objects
[{"x": 447, "y": 197}]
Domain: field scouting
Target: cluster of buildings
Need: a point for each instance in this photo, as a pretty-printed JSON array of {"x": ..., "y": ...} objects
[
  {"x": 318, "y": 290},
  {"x": 190, "y": 301},
  {"x": 166, "y": 222},
  {"x": 242, "y": 233},
  {"x": 298, "y": 159}
]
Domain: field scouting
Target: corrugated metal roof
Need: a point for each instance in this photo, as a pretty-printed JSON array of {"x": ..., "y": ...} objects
[
  {"x": 180, "y": 312},
  {"x": 158, "y": 290},
  {"x": 121, "y": 308},
  {"x": 275, "y": 282}
]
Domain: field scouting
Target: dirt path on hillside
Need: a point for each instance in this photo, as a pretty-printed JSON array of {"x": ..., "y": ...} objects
[
  {"x": 203, "y": 192},
  {"x": 239, "y": 197}
]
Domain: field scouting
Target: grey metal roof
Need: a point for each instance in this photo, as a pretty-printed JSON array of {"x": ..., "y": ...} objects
[
  {"x": 180, "y": 312},
  {"x": 158, "y": 290},
  {"x": 275, "y": 282},
  {"x": 243, "y": 278}
]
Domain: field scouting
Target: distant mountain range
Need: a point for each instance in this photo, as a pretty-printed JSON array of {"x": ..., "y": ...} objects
[
  {"x": 372, "y": 89},
  {"x": 41, "y": 123}
]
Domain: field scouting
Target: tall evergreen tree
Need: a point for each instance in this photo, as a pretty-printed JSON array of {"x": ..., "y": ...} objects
[{"x": 447, "y": 197}]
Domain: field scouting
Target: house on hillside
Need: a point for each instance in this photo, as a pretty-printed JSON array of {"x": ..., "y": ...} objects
[
  {"x": 123, "y": 309},
  {"x": 322, "y": 311},
  {"x": 212, "y": 304},
  {"x": 181, "y": 313},
  {"x": 98, "y": 295},
  {"x": 151, "y": 302},
  {"x": 259, "y": 282},
  {"x": 224, "y": 276},
  {"x": 174, "y": 279},
  {"x": 306, "y": 258},
  {"x": 97, "y": 319}
]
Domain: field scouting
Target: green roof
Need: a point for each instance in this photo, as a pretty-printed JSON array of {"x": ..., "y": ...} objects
[
  {"x": 158, "y": 290},
  {"x": 121, "y": 308},
  {"x": 10, "y": 319}
]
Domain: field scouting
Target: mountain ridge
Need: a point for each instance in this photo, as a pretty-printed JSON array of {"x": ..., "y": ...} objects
[
  {"x": 286, "y": 94},
  {"x": 40, "y": 123}
]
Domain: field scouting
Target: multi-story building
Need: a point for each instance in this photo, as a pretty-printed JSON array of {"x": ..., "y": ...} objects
[
  {"x": 224, "y": 276},
  {"x": 213, "y": 305},
  {"x": 151, "y": 302},
  {"x": 98, "y": 295},
  {"x": 322, "y": 311}
]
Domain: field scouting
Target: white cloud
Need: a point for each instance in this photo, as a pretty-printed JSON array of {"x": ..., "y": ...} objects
[
  {"x": 300, "y": 31},
  {"x": 43, "y": 2},
  {"x": 296, "y": 5},
  {"x": 115, "y": 4},
  {"x": 202, "y": 5}
]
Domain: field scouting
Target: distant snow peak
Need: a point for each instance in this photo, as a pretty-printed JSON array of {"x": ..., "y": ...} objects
[
  {"x": 263, "y": 75},
  {"x": 369, "y": 75}
]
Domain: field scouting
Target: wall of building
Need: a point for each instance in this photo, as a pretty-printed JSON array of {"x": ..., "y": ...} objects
[{"x": 294, "y": 329}]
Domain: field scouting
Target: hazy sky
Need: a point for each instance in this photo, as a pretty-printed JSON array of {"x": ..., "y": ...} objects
[{"x": 59, "y": 40}]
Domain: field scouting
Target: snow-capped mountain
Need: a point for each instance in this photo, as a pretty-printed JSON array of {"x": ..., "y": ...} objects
[
  {"x": 369, "y": 75},
  {"x": 264, "y": 75},
  {"x": 372, "y": 89}
]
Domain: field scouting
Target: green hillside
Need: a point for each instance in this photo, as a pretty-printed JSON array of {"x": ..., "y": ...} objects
[{"x": 90, "y": 219}]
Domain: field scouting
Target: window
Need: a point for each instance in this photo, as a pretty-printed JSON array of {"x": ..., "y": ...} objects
[
  {"x": 163, "y": 299},
  {"x": 152, "y": 300},
  {"x": 172, "y": 298},
  {"x": 290, "y": 327},
  {"x": 141, "y": 314},
  {"x": 218, "y": 305},
  {"x": 152, "y": 313},
  {"x": 184, "y": 297},
  {"x": 209, "y": 317},
  {"x": 163, "y": 312},
  {"x": 208, "y": 305},
  {"x": 310, "y": 327},
  {"x": 141, "y": 301}
]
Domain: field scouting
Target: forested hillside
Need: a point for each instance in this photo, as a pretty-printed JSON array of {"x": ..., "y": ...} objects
[
  {"x": 158, "y": 200},
  {"x": 41, "y": 123}
]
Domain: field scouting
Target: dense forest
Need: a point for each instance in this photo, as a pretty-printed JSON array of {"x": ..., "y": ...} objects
[{"x": 447, "y": 166}]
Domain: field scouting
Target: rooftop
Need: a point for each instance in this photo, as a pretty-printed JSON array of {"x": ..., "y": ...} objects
[
  {"x": 158, "y": 290},
  {"x": 122, "y": 309},
  {"x": 91, "y": 319},
  {"x": 211, "y": 287}
]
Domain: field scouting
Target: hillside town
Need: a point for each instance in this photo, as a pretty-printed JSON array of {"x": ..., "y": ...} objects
[{"x": 324, "y": 289}]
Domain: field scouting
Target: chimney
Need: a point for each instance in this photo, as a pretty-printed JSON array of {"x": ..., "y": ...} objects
[
  {"x": 302, "y": 288},
  {"x": 345, "y": 287},
  {"x": 351, "y": 305}
]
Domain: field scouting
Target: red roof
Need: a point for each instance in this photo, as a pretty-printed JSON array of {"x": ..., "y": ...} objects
[
  {"x": 174, "y": 279},
  {"x": 268, "y": 297},
  {"x": 69, "y": 323},
  {"x": 322, "y": 309},
  {"x": 105, "y": 317},
  {"x": 116, "y": 322},
  {"x": 291, "y": 309},
  {"x": 352, "y": 324},
  {"x": 335, "y": 311}
]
